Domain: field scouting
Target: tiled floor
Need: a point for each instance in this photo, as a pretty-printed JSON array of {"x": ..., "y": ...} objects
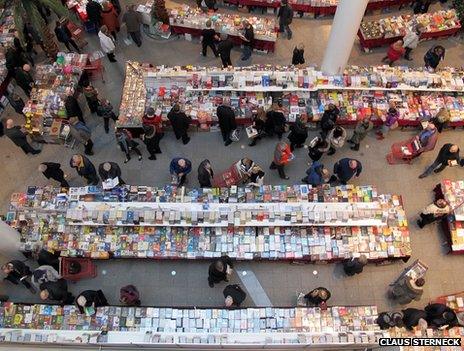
[{"x": 281, "y": 281}]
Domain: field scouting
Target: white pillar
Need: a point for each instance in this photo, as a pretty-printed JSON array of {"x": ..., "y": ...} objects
[
  {"x": 9, "y": 242},
  {"x": 342, "y": 35}
]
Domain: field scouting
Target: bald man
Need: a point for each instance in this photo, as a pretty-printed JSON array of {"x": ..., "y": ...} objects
[
  {"x": 52, "y": 170},
  {"x": 18, "y": 137},
  {"x": 24, "y": 79},
  {"x": 110, "y": 170}
]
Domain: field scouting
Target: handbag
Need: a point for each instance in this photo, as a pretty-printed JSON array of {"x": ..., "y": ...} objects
[{"x": 235, "y": 135}]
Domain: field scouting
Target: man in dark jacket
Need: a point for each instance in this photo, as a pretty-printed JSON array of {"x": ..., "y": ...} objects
[
  {"x": 56, "y": 291},
  {"x": 110, "y": 170},
  {"x": 234, "y": 295},
  {"x": 285, "y": 16},
  {"x": 73, "y": 109},
  {"x": 439, "y": 315},
  {"x": 209, "y": 38},
  {"x": 24, "y": 79},
  {"x": 18, "y": 137},
  {"x": 179, "y": 168},
  {"x": 248, "y": 38},
  {"x": 205, "y": 174},
  {"x": 90, "y": 299},
  {"x": 64, "y": 36},
  {"x": 355, "y": 265},
  {"x": 412, "y": 317},
  {"x": 298, "y": 134},
  {"x": 13, "y": 60},
  {"x": 345, "y": 169},
  {"x": 329, "y": 119},
  {"x": 447, "y": 156},
  {"x": 94, "y": 10},
  {"x": 226, "y": 118},
  {"x": 17, "y": 272},
  {"x": 84, "y": 168},
  {"x": 218, "y": 270},
  {"x": 180, "y": 123},
  {"x": 133, "y": 20},
  {"x": 52, "y": 170},
  {"x": 82, "y": 134},
  {"x": 224, "y": 48}
]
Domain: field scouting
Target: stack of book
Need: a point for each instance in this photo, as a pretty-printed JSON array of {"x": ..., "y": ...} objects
[{"x": 454, "y": 195}]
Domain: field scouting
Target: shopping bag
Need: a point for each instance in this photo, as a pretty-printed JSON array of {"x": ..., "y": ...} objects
[
  {"x": 251, "y": 132},
  {"x": 235, "y": 135}
]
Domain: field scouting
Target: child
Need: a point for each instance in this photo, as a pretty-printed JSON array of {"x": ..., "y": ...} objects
[{"x": 395, "y": 52}]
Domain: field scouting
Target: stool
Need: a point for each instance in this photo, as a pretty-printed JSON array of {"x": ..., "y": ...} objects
[{"x": 88, "y": 269}]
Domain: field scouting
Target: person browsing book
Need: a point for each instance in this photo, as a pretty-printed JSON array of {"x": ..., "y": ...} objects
[{"x": 447, "y": 156}]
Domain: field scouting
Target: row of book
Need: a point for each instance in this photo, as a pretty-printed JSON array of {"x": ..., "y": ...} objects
[
  {"x": 7, "y": 28},
  {"x": 453, "y": 192}
]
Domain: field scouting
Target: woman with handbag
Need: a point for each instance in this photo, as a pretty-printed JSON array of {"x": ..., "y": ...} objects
[
  {"x": 127, "y": 144},
  {"x": 390, "y": 122},
  {"x": 282, "y": 156}
]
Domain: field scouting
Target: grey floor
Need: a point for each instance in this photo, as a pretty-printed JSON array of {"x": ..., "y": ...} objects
[{"x": 280, "y": 281}]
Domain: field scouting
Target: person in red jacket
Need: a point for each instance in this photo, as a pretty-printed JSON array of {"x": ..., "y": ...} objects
[
  {"x": 151, "y": 120},
  {"x": 395, "y": 52},
  {"x": 109, "y": 18},
  {"x": 282, "y": 156}
]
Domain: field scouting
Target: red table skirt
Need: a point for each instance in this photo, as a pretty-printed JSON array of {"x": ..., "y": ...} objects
[
  {"x": 375, "y": 43},
  {"x": 257, "y": 44},
  {"x": 258, "y": 3}
]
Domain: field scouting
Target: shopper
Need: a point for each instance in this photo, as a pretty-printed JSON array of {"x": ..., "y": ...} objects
[
  {"x": 433, "y": 212},
  {"x": 427, "y": 139},
  {"x": 32, "y": 37},
  {"x": 56, "y": 291},
  {"x": 110, "y": 170},
  {"x": 234, "y": 295},
  {"x": 406, "y": 288},
  {"x": 285, "y": 16},
  {"x": 336, "y": 138},
  {"x": 298, "y": 134},
  {"x": 447, "y": 156},
  {"x": 387, "y": 320},
  {"x": 394, "y": 53},
  {"x": 219, "y": 271},
  {"x": 411, "y": 40},
  {"x": 17, "y": 103},
  {"x": 88, "y": 300},
  {"x": 45, "y": 257},
  {"x": 151, "y": 140},
  {"x": 275, "y": 121},
  {"x": 179, "y": 168},
  {"x": 345, "y": 169},
  {"x": 64, "y": 36},
  {"x": 282, "y": 156},
  {"x": 209, "y": 38},
  {"x": 133, "y": 21},
  {"x": 17, "y": 272},
  {"x": 73, "y": 109},
  {"x": 318, "y": 297},
  {"x": 94, "y": 11},
  {"x": 248, "y": 38},
  {"x": 298, "y": 55},
  {"x": 390, "y": 121},
  {"x": 224, "y": 48},
  {"x": 91, "y": 96},
  {"x": 105, "y": 110},
  {"x": 421, "y": 6},
  {"x": 413, "y": 317},
  {"x": 259, "y": 124},
  {"x": 226, "y": 118},
  {"x": 180, "y": 123},
  {"x": 24, "y": 79},
  {"x": 355, "y": 265},
  {"x": 19, "y": 138},
  {"x": 433, "y": 57},
  {"x": 127, "y": 144},
  {"x": 205, "y": 174},
  {"x": 360, "y": 132},
  {"x": 84, "y": 168},
  {"x": 109, "y": 18},
  {"x": 329, "y": 119},
  {"x": 44, "y": 274},
  {"x": 441, "y": 119},
  {"x": 52, "y": 170},
  {"x": 13, "y": 59},
  {"x": 440, "y": 316},
  {"x": 317, "y": 147},
  {"x": 317, "y": 174},
  {"x": 256, "y": 177},
  {"x": 107, "y": 43},
  {"x": 129, "y": 296},
  {"x": 150, "y": 119},
  {"x": 81, "y": 134}
]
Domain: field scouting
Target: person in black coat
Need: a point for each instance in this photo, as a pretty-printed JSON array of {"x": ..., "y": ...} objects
[
  {"x": 46, "y": 258},
  {"x": 234, "y": 295},
  {"x": 412, "y": 317},
  {"x": 285, "y": 16},
  {"x": 226, "y": 118},
  {"x": 84, "y": 168},
  {"x": 73, "y": 108},
  {"x": 355, "y": 265},
  {"x": 447, "y": 156},
  {"x": 345, "y": 169},
  {"x": 13, "y": 59},
  {"x": 205, "y": 174},
  {"x": 56, "y": 291},
  {"x": 110, "y": 170},
  {"x": 317, "y": 147},
  {"x": 433, "y": 57},
  {"x": 151, "y": 139},
  {"x": 275, "y": 121},
  {"x": 64, "y": 36},
  {"x": 17, "y": 272},
  {"x": 17, "y": 103},
  {"x": 218, "y": 270},
  {"x": 298, "y": 134},
  {"x": 209, "y": 38},
  {"x": 387, "y": 320},
  {"x": 421, "y": 6},
  {"x": 24, "y": 79},
  {"x": 180, "y": 123},
  {"x": 317, "y": 296},
  {"x": 329, "y": 119},
  {"x": 94, "y": 10},
  {"x": 439, "y": 315},
  {"x": 298, "y": 55},
  {"x": 18, "y": 137},
  {"x": 224, "y": 48},
  {"x": 52, "y": 170},
  {"x": 90, "y": 298}
]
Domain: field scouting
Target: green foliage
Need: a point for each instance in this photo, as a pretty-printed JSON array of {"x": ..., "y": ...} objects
[{"x": 459, "y": 6}]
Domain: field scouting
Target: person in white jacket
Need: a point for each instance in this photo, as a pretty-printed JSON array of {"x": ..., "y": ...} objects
[
  {"x": 107, "y": 43},
  {"x": 411, "y": 39}
]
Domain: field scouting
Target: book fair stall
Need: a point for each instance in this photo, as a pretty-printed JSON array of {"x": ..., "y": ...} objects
[
  {"x": 387, "y": 30},
  {"x": 7, "y": 28},
  {"x": 304, "y": 93}
]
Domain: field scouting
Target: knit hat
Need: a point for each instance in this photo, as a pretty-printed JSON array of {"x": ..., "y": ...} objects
[{"x": 150, "y": 112}]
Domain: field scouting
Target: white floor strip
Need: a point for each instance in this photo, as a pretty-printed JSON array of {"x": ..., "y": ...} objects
[{"x": 254, "y": 289}]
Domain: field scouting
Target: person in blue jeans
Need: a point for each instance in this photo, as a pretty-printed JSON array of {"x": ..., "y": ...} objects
[{"x": 248, "y": 37}]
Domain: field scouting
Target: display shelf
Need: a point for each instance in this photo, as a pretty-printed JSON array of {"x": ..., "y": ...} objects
[{"x": 454, "y": 301}]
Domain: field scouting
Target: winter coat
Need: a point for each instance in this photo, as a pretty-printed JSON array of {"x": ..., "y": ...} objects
[
  {"x": 86, "y": 168},
  {"x": 205, "y": 176},
  {"x": 445, "y": 155},
  {"x": 155, "y": 121},
  {"x": 174, "y": 167},
  {"x": 282, "y": 154},
  {"x": 411, "y": 39},
  {"x": 329, "y": 118},
  {"x": 216, "y": 276},
  {"x": 94, "y": 11},
  {"x": 339, "y": 141},
  {"x": 285, "y": 15},
  {"x": 275, "y": 122},
  {"x": 411, "y": 317},
  {"x": 343, "y": 170},
  {"x": 62, "y": 33},
  {"x": 226, "y": 118},
  {"x": 106, "y": 43},
  {"x": 236, "y": 293},
  {"x": 95, "y": 298},
  {"x": 57, "y": 291},
  {"x": 314, "y": 173},
  {"x": 360, "y": 131},
  {"x": 180, "y": 122},
  {"x": 114, "y": 171},
  {"x": 17, "y": 136},
  {"x": 23, "y": 79},
  {"x": 109, "y": 18},
  {"x": 53, "y": 170},
  {"x": 44, "y": 274},
  {"x": 72, "y": 107},
  {"x": 395, "y": 52},
  {"x": 298, "y": 133},
  {"x": 132, "y": 20},
  {"x": 431, "y": 59}
]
